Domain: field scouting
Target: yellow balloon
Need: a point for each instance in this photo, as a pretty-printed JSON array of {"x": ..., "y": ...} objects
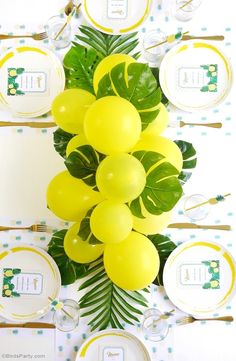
[
  {"x": 76, "y": 142},
  {"x": 70, "y": 198},
  {"x": 161, "y": 145},
  {"x": 160, "y": 123},
  {"x": 106, "y": 65},
  {"x": 69, "y": 109},
  {"x": 78, "y": 250},
  {"x": 151, "y": 224},
  {"x": 132, "y": 264},
  {"x": 121, "y": 177},
  {"x": 111, "y": 222},
  {"x": 112, "y": 124}
]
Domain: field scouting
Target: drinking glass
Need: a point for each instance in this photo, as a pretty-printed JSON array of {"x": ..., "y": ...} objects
[
  {"x": 185, "y": 9},
  {"x": 154, "y": 326},
  {"x": 54, "y": 26},
  {"x": 151, "y": 52},
  {"x": 198, "y": 213},
  {"x": 67, "y": 318}
]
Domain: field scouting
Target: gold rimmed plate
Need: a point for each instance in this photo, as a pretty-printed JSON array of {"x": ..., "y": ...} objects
[
  {"x": 195, "y": 76},
  {"x": 200, "y": 277},
  {"x": 31, "y": 77},
  {"x": 28, "y": 277}
]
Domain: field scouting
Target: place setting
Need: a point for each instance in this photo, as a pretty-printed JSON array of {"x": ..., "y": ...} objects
[{"x": 116, "y": 218}]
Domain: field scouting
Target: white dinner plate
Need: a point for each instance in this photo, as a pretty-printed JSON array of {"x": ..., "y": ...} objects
[
  {"x": 195, "y": 75},
  {"x": 116, "y": 16},
  {"x": 28, "y": 276},
  {"x": 113, "y": 345},
  {"x": 31, "y": 77},
  {"x": 199, "y": 277}
]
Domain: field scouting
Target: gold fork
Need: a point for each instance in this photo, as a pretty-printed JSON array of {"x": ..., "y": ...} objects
[
  {"x": 38, "y": 36},
  {"x": 33, "y": 228},
  {"x": 191, "y": 319},
  {"x": 210, "y": 125}
]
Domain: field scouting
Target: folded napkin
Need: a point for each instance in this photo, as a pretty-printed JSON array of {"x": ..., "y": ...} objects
[
  {"x": 26, "y": 343},
  {"x": 210, "y": 341},
  {"x": 28, "y": 163}
]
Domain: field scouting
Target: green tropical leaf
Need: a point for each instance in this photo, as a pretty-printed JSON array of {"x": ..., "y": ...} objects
[
  {"x": 141, "y": 89},
  {"x": 82, "y": 163},
  {"x": 85, "y": 232},
  {"x": 189, "y": 160},
  {"x": 70, "y": 271},
  {"x": 107, "y": 304},
  {"x": 164, "y": 247},
  {"x": 155, "y": 72},
  {"x": 61, "y": 139},
  {"x": 162, "y": 190},
  {"x": 80, "y": 64},
  {"x": 105, "y": 44}
]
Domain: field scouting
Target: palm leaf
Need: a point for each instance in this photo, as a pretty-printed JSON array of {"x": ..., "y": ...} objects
[
  {"x": 164, "y": 247},
  {"x": 105, "y": 44},
  {"x": 107, "y": 304}
]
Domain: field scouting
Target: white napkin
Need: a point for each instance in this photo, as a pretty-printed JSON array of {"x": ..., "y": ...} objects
[
  {"x": 212, "y": 341},
  {"x": 28, "y": 163}
]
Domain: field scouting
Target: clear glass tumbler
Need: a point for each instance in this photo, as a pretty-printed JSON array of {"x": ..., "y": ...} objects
[
  {"x": 155, "y": 326},
  {"x": 153, "y": 46},
  {"x": 58, "y": 33},
  {"x": 192, "y": 208},
  {"x": 67, "y": 318},
  {"x": 185, "y": 9}
]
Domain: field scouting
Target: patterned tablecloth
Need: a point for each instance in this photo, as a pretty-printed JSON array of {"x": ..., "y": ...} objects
[{"x": 24, "y": 149}]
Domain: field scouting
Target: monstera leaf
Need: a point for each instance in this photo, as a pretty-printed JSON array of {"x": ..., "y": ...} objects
[
  {"x": 190, "y": 159},
  {"x": 85, "y": 232},
  {"x": 82, "y": 163},
  {"x": 70, "y": 271},
  {"x": 106, "y": 303},
  {"x": 136, "y": 84},
  {"x": 61, "y": 139},
  {"x": 164, "y": 247},
  {"x": 80, "y": 64},
  {"x": 162, "y": 189}
]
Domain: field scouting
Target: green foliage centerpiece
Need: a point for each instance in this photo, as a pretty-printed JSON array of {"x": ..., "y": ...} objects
[{"x": 122, "y": 178}]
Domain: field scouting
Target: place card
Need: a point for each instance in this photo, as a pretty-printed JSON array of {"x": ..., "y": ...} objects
[
  {"x": 205, "y": 274},
  {"x": 112, "y": 353},
  {"x": 204, "y": 77},
  {"x": 117, "y": 9},
  {"x": 17, "y": 282},
  {"x": 22, "y": 82}
]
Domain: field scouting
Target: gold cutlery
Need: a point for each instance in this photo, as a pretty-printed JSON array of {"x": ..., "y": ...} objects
[
  {"x": 210, "y": 125},
  {"x": 38, "y": 36},
  {"x": 68, "y": 20},
  {"x": 220, "y": 227},
  {"x": 211, "y": 201},
  {"x": 210, "y": 37},
  {"x": 28, "y": 325},
  {"x": 69, "y": 7},
  {"x": 191, "y": 319},
  {"x": 33, "y": 228},
  {"x": 28, "y": 124}
]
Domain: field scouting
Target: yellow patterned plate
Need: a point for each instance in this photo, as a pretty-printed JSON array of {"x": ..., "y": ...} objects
[
  {"x": 113, "y": 345},
  {"x": 195, "y": 75},
  {"x": 199, "y": 277},
  {"x": 31, "y": 77},
  {"x": 28, "y": 276},
  {"x": 116, "y": 16}
]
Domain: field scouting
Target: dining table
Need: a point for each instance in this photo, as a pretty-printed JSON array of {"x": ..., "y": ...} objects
[{"x": 28, "y": 162}]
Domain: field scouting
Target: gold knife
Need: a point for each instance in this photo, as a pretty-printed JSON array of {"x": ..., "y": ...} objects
[
  {"x": 28, "y": 124},
  {"x": 27, "y": 325},
  {"x": 221, "y": 227}
]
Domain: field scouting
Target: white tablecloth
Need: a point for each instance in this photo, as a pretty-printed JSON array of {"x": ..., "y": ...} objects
[{"x": 24, "y": 165}]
